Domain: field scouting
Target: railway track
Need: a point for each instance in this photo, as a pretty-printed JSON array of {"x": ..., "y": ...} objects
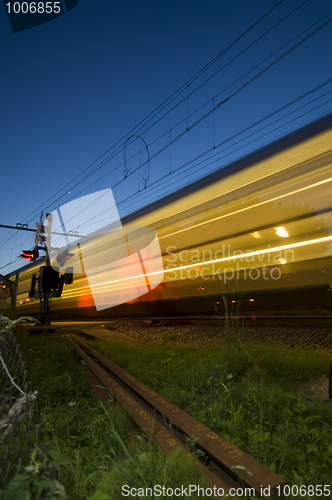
[
  {"x": 247, "y": 320},
  {"x": 226, "y": 468},
  {"x": 250, "y": 320}
]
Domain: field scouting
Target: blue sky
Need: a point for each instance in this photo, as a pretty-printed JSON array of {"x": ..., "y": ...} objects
[{"x": 77, "y": 87}]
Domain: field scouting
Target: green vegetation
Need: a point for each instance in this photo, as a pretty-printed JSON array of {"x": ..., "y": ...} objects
[
  {"x": 102, "y": 449},
  {"x": 247, "y": 393},
  {"x": 38, "y": 479}
]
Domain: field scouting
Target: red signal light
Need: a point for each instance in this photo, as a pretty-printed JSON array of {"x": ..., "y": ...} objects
[
  {"x": 31, "y": 255},
  {"x": 63, "y": 257}
]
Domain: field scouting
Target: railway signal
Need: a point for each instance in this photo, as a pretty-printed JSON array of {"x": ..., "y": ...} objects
[
  {"x": 49, "y": 283},
  {"x": 63, "y": 257},
  {"x": 31, "y": 255}
]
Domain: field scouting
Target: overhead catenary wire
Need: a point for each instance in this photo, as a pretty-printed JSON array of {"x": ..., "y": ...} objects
[
  {"x": 173, "y": 181},
  {"x": 132, "y": 207},
  {"x": 191, "y": 114},
  {"x": 233, "y": 94},
  {"x": 129, "y": 198},
  {"x": 162, "y": 106},
  {"x": 241, "y": 147},
  {"x": 214, "y": 108}
]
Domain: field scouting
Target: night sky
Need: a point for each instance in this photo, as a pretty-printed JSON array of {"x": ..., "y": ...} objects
[{"x": 74, "y": 89}]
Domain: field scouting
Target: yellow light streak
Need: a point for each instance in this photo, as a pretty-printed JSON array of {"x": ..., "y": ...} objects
[
  {"x": 223, "y": 259},
  {"x": 316, "y": 184}
]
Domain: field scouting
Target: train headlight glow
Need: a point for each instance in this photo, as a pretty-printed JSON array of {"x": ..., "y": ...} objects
[{"x": 281, "y": 231}]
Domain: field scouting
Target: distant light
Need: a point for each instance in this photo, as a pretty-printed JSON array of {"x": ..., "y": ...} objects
[
  {"x": 251, "y": 300},
  {"x": 233, "y": 301},
  {"x": 281, "y": 231},
  {"x": 256, "y": 234},
  {"x": 217, "y": 302}
]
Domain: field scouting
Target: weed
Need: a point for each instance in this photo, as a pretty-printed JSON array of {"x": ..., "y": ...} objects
[
  {"x": 232, "y": 328},
  {"x": 38, "y": 478},
  {"x": 247, "y": 394},
  {"x": 148, "y": 469},
  {"x": 244, "y": 392}
]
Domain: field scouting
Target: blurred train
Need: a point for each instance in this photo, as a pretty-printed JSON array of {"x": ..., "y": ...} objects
[{"x": 258, "y": 231}]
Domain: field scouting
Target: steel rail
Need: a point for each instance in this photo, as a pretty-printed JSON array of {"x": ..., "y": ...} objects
[
  {"x": 249, "y": 319},
  {"x": 152, "y": 424},
  {"x": 235, "y": 462}
]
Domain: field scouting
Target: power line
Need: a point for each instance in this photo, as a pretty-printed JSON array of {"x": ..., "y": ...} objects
[
  {"x": 255, "y": 77},
  {"x": 214, "y": 108},
  {"x": 246, "y": 137},
  {"x": 160, "y": 108},
  {"x": 205, "y": 115},
  {"x": 233, "y": 94},
  {"x": 236, "y": 135},
  {"x": 241, "y": 147}
]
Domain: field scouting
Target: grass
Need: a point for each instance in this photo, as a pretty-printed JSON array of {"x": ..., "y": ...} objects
[
  {"x": 102, "y": 447},
  {"x": 247, "y": 393}
]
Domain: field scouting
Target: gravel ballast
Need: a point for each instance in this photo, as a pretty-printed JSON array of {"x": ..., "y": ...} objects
[{"x": 141, "y": 332}]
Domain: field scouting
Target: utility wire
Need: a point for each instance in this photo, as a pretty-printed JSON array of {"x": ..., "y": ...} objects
[
  {"x": 233, "y": 94},
  {"x": 246, "y": 84},
  {"x": 232, "y": 152},
  {"x": 244, "y": 138},
  {"x": 195, "y": 111},
  {"x": 162, "y": 106},
  {"x": 129, "y": 198},
  {"x": 236, "y": 91}
]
